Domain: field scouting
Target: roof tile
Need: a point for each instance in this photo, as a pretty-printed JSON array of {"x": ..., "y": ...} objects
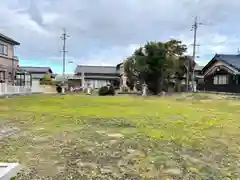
[
  {"x": 96, "y": 69},
  {"x": 35, "y": 69},
  {"x": 231, "y": 59}
]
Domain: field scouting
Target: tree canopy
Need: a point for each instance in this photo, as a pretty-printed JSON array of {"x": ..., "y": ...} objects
[
  {"x": 157, "y": 63},
  {"x": 47, "y": 79}
]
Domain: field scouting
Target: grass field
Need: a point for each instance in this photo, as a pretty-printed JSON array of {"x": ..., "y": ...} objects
[{"x": 90, "y": 137}]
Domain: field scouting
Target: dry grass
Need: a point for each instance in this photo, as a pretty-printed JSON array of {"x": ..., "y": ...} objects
[{"x": 85, "y": 137}]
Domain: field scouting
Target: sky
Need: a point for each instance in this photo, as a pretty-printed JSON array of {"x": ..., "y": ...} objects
[{"x": 105, "y": 32}]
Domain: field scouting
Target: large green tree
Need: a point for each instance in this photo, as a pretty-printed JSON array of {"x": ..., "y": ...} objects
[{"x": 156, "y": 63}]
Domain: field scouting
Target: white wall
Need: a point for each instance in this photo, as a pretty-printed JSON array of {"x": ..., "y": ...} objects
[
  {"x": 36, "y": 85},
  {"x": 96, "y": 83}
]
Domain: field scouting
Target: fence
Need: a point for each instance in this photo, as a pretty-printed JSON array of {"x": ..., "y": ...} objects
[
  {"x": 228, "y": 88},
  {"x": 6, "y": 89}
]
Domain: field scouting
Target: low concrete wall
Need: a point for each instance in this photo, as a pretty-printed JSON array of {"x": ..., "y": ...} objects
[
  {"x": 49, "y": 89},
  {"x": 19, "y": 94}
]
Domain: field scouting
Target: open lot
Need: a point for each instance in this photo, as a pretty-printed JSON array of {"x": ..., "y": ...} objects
[{"x": 122, "y": 137}]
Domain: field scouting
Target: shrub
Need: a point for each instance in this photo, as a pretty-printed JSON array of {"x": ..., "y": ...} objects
[
  {"x": 111, "y": 90},
  {"x": 106, "y": 90},
  {"x": 59, "y": 89},
  {"x": 103, "y": 91}
]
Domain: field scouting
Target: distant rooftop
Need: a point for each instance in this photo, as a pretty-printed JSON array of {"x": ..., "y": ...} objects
[
  {"x": 32, "y": 69},
  {"x": 231, "y": 59},
  {"x": 8, "y": 39},
  {"x": 96, "y": 69}
]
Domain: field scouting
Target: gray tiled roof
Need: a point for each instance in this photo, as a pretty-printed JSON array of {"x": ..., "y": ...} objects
[
  {"x": 96, "y": 69},
  {"x": 93, "y": 77},
  {"x": 231, "y": 59},
  {"x": 38, "y": 76},
  {"x": 101, "y": 77},
  {"x": 8, "y": 39},
  {"x": 35, "y": 69}
]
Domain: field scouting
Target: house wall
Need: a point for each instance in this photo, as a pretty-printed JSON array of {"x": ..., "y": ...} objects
[
  {"x": 94, "y": 80},
  {"x": 93, "y": 83},
  {"x": 76, "y": 83},
  {"x": 233, "y": 85},
  {"x": 209, "y": 79},
  {"x": 8, "y": 62},
  {"x": 10, "y": 48},
  {"x": 231, "y": 88}
]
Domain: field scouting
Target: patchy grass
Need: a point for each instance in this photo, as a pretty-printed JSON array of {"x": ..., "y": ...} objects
[{"x": 86, "y": 137}]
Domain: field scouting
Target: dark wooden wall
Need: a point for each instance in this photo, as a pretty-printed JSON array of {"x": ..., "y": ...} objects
[{"x": 231, "y": 87}]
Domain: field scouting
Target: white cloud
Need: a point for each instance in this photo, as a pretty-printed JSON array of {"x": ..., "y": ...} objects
[
  {"x": 106, "y": 31},
  {"x": 109, "y": 57}
]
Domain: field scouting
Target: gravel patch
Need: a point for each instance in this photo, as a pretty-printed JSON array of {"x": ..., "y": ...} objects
[{"x": 6, "y": 132}]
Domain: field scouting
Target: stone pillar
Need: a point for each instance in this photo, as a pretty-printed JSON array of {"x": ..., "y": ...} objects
[
  {"x": 83, "y": 80},
  {"x": 134, "y": 88},
  {"x": 124, "y": 78},
  {"x": 124, "y": 82},
  {"x": 120, "y": 85},
  {"x": 144, "y": 92},
  {"x": 89, "y": 90}
]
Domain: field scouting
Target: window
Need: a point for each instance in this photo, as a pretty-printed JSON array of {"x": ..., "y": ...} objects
[
  {"x": 3, "y": 49},
  {"x": 220, "y": 79},
  {"x": 23, "y": 79}
]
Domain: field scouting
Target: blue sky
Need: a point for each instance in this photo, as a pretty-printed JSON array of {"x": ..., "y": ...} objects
[
  {"x": 57, "y": 67},
  {"x": 105, "y": 32}
]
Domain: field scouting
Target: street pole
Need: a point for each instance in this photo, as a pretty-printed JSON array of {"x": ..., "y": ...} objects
[
  {"x": 195, "y": 27},
  {"x": 64, "y": 37},
  {"x": 187, "y": 78},
  {"x": 13, "y": 67}
]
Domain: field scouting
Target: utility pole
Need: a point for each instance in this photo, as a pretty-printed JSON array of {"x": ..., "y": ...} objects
[
  {"x": 64, "y": 38},
  {"x": 194, "y": 29},
  {"x": 187, "y": 74}
]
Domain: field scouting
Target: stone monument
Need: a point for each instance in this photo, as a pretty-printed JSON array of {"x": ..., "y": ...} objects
[
  {"x": 89, "y": 89},
  {"x": 144, "y": 90},
  {"x": 71, "y": 89},
  {"x": 124, "y": 83}
]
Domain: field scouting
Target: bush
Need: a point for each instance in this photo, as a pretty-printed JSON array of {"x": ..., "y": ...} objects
[
  {"x": 103, "y": 91},
  {"x": 106, "y": 90},
  {"x": 46, "y": 80},
  {"x": 59, "y": 89},
  {"x": 111, "y": 90}
]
